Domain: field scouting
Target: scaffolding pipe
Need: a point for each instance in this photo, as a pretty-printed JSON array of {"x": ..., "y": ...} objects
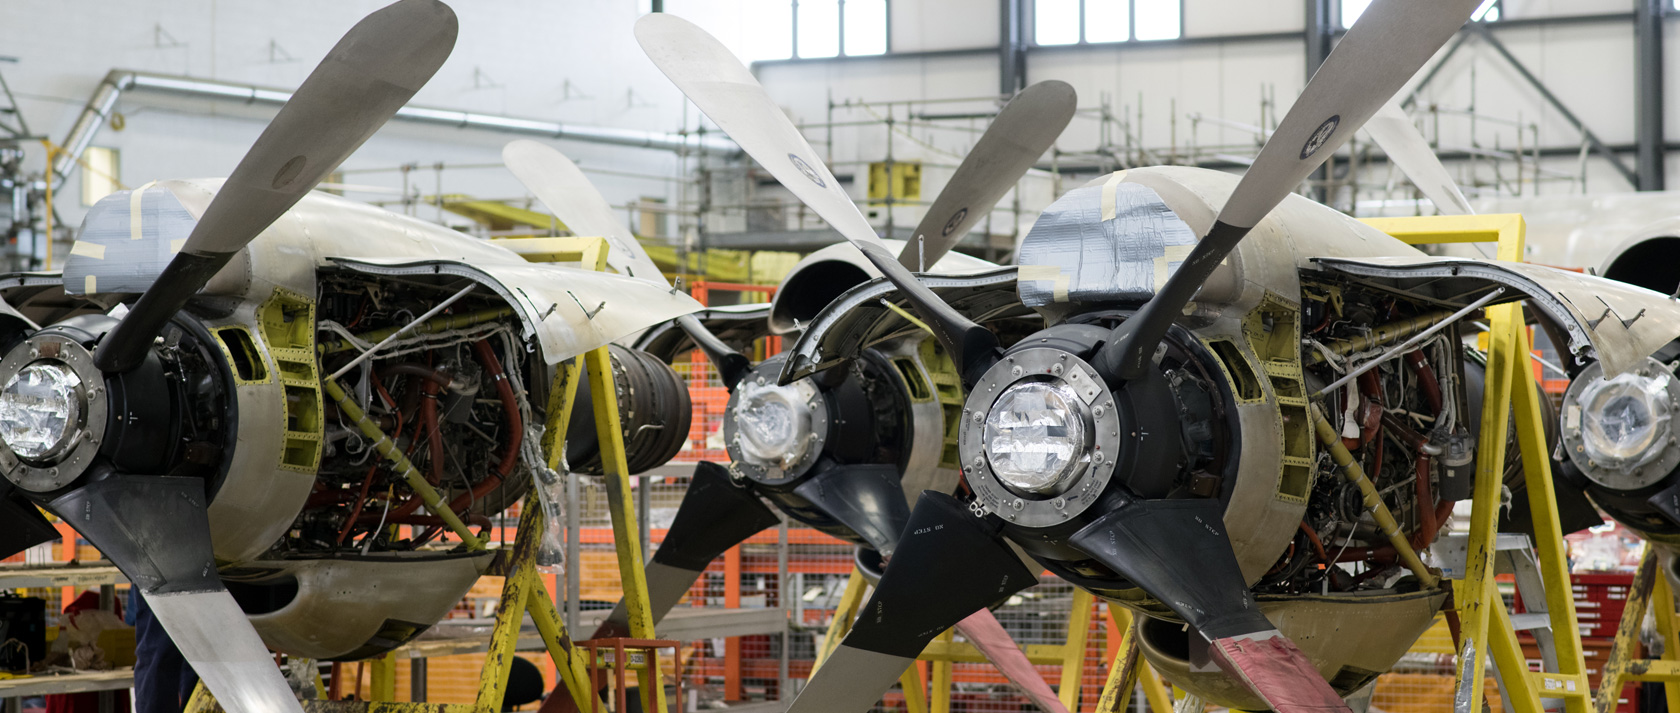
[{"x": 117, "y": 81}]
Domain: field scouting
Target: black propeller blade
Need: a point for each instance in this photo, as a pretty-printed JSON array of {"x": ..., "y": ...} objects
[
  {"x": 22, "y": 525},
  {"x": 156, "y": 529},
  {"x": 1177, "y": 550},
  {"x": 867, "y": 499},
  {"x": 732, "y": 365},
  {"x": 370, "y": 74},
  {"x": 949, "y": 565},
  {"x": 715, "y": 515}
]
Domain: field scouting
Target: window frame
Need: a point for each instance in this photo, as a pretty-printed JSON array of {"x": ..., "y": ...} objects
[
  {"x": 840, "y": 29},
  {"x": 1131, "y": 27},
  {"x": 1497, "y": 6}
]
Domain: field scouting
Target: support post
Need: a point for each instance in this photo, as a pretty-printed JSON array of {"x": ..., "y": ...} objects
[
  {"x": 732, "y": 644},
  {"x": 1012, "y": 46},
  {"x": 626, "y": 534},
  {"x": 1123, "y": 668},
  {"x": 941, "y": 679},
  {"x": 382, "y": 681},
  {"x": 1668, "y": 626},
  {"x": 1648, "y": 92},
  {"x": 1320, "y": 32},
  {"x": 844, "y": 612},
  {"x": 1073, "y": 650},
  {"x": 1626, "y": 649}
]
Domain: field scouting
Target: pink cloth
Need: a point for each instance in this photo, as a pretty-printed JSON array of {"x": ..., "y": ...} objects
[
  {"x": 983, "y": 630},
  {"x": 1277, "y": 670}
]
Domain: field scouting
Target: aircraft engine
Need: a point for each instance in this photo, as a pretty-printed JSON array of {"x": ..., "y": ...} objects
[
  {"x": 1052, "y": 450},
  {"x": 1620, "y": 444}
]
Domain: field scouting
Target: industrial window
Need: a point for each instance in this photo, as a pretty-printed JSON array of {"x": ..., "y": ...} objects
[
  {"x": 1067, "y": 22},
  {"x": 766, "y": 30},
  {"x": 834, "y": 28},
  {"x": 100, "y": 170},
  {"x": 1488, "y": 11}
]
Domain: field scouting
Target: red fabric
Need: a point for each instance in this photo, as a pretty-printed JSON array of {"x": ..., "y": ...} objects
[
  {"x": 983, "y": 630},
  {"x": 1279, "y": 672}
]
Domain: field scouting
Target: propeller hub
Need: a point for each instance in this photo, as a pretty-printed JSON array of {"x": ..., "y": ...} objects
[
  {"x": 52, "y": 412},
  {"x": 774, "y": 433},
  {"x": 1040, "y": 437}
]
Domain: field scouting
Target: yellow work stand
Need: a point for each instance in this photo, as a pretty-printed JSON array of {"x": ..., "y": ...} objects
[
  {"x": 1485, "y": 625},
  {"x": 522, "y": 588},
  {"x": 1649, "y": 589}
]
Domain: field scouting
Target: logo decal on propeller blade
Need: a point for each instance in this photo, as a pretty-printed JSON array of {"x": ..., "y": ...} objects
[
  {"x": 806, "y": 169},
  {"x": 1320, "y": 136},
  {"x": 951, "y": 224}
]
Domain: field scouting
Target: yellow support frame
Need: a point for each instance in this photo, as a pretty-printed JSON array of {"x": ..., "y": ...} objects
[
  {"x": 1649, "y": 589},
  {"x": 1484, "y": 623},
  {"x": 1128, "y": 670},
  {"x": 588, "y": 251},
  {"x": 522, "y": 589},
  {"x": 944, "y": 651}
]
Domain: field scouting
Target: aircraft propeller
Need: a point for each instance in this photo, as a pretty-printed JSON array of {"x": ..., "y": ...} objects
[
  {"x": 717, "y": 512},
  {"x": 1148, "y": 541},
  {"x": 155, "y": 527}
]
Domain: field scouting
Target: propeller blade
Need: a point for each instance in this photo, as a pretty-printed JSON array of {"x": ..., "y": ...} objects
[
  {"x": 157, "y": 531},
  {"x": 1399, "y": 138},
  {"x": 983, "y": 630},
  {"x": 1150, "y": 541},
  {"x": 722, "y": 87},
  {"x": 370, "y": 74},
  {"x": 1391, "y": 40},
  {"x": 562, "y": 187},
  {"x": 715, "y": 515},
  {"x": 867, "y": 499},
  {"x": 1026, "y": 128},
  {"x": 926, "y": 590},
  {"x": 732, "y": 365},
  {"x": 22, "y": 525}
]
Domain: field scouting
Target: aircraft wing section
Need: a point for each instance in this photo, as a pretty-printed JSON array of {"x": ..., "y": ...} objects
[
  {"x": 1613, "y": 322},
  {"x": 568, "y": 310}
]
